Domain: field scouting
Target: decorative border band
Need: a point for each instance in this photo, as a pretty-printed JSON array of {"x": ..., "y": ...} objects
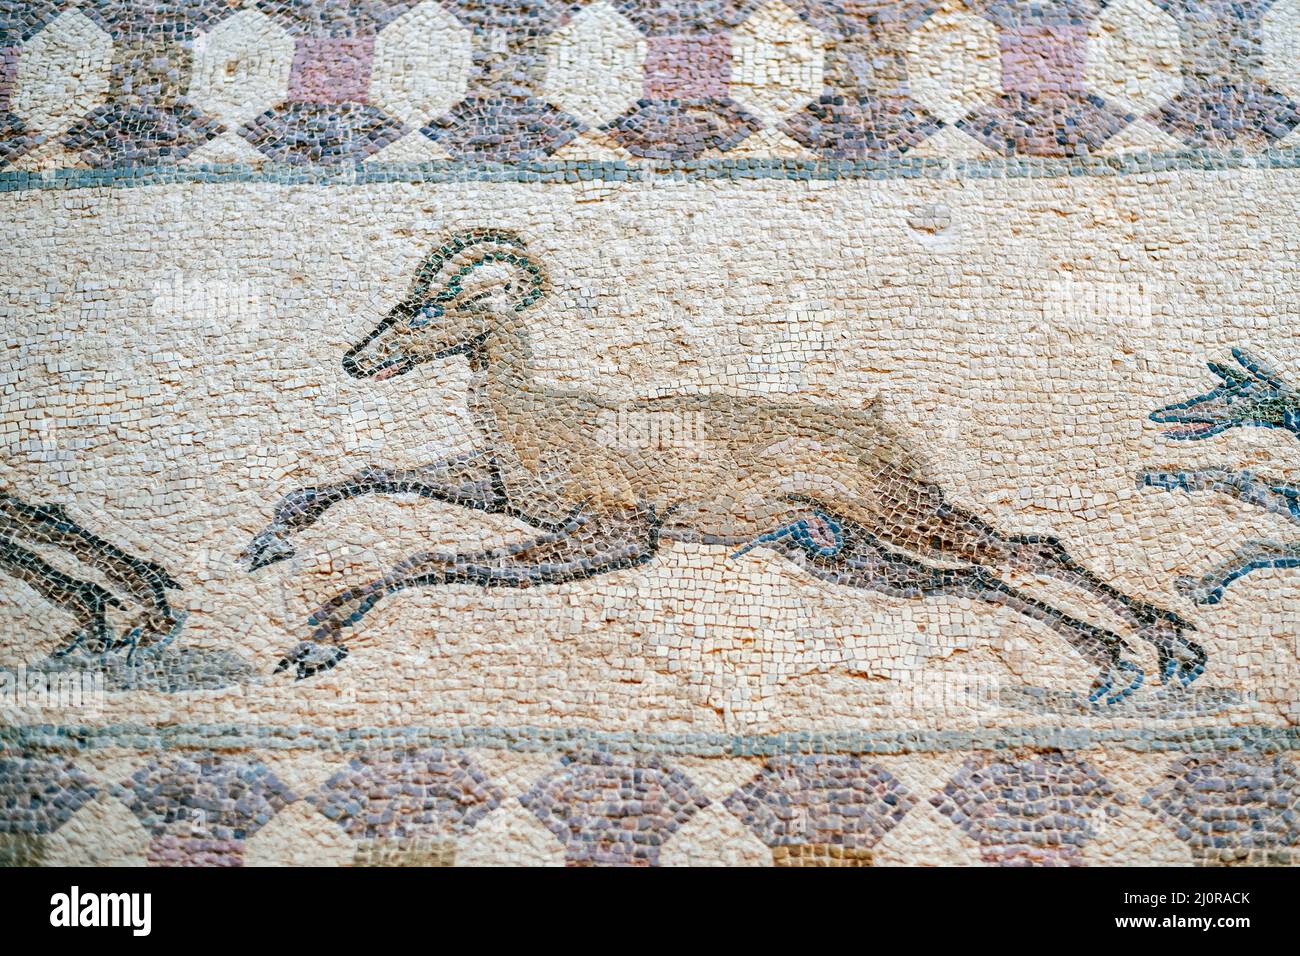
[
  {"x": 48, "y": 737},
  {"x": 575, "y": 171}
]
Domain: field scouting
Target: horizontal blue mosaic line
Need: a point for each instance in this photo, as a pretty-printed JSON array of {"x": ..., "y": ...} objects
[
  {"x": 544, "y": 740},
  {"x": 450, "y": 171}
]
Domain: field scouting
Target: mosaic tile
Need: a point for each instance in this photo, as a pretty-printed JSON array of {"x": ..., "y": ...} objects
[
  {"x": 504, "y": 114},
  {"x": 201, "y": 811},
  {"x": 821, "y": 811},
  {"x": 649, "y": 432},
  {"x": 1133, "y": 59},
  {"x": 1224, "y": 99},
  {"x": 316, "y": 133},
  {"x": 139, "y": 586},
  {"x": 866, "y": 108},
  {"x": 421, "y": 64},
  {"x": 241, "y": 67},
  {"x": 326, "y": 116},
  {"x": 19, "y": 22},
  {"x": 611, "y": 810},
  {"x": 62, "y": 73},
  {"x": 395, "y": 800},
  {"x": 1232, "y": 808},
  {"x": 777, "y": 62},
  {"x": 502, "y": 128},
  {"x": 41, "y": 794},
  {"x": 1045, "y": 108},
  {"x": 596, "y": 64},
  {"x": 514, "y": 82},
  {"x": 146, "y": 117},
  {"x": 954, "y": 64},
  {"x": 1030, "y": 812}
]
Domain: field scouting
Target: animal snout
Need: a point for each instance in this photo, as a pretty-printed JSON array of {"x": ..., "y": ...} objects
[
  {"x": 352, "y": 366},
  {"x": 371, "y": 355}
]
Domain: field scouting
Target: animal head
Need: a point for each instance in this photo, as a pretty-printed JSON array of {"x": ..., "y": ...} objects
[
  {"x": 464, "y": 291},
  {"x": 1252, "y": 394}
]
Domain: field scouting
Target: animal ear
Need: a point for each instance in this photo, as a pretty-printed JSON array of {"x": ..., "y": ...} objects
[{"x": 1259, "y": 369}]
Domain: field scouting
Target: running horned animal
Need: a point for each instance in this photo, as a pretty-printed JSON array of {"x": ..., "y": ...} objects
[{"x": 834, "y": 490}]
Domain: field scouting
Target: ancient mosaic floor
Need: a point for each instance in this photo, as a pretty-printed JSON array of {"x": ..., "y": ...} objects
[{"x": 795, "y": 432}]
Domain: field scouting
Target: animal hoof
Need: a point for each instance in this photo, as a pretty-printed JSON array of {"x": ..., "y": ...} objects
[
  {"x": 72, "y": 641},
  {"x": 151, "y": 636},
  {"x": 1184, "y": 673},
  {"x": 1186, "y": 662},
  {"x": 1187, "y": 675},
  {"x": 1180, "y": 656},
  {"x": 311, "y": 658},
  {"x": 1104, "y": 686},
  {"x": 267, "y": 547}
]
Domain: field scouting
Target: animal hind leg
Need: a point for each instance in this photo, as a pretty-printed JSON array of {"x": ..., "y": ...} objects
[
  {"x": 951, "y": 532},
  {"x": 1179, "y": 655},
  {"x": 587, "y": 545},
  {"x": 51, "y": 524},
  {"x": 863, "y": 561}
]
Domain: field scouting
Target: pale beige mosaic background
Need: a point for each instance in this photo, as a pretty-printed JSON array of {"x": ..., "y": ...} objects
[{"x": 1018, "y": 331}]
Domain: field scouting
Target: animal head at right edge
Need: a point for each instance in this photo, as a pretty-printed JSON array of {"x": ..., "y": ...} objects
[
  {"x": 463, "y": 292},
  {"x": 1251, "y": 395}
]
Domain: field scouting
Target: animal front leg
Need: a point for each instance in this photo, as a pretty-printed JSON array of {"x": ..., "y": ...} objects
[
  {"x": 146, "y": 582},
  {"x": 472, "y": 481},
  {"x": 87, "y": 601},
  {"x": 1253, "y": 556},
  {"x": 586, "y": 546}
]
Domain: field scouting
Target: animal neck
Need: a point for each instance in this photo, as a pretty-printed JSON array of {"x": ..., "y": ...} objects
[{"x": 504, "y": 359}]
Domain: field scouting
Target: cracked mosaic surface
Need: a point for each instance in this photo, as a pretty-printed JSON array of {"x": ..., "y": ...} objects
[{"x": 649, "y": 432}]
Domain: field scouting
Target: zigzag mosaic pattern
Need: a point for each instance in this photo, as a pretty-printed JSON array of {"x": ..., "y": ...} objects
[
  {"x": 423, "y": 806},
  {"x": 122, "y": 84}
]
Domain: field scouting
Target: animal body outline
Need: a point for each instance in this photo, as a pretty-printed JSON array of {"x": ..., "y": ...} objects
[
  {"x": 142, "y": 585},
  {"x": 833, "y": 489},
  {"x": 1250, "y": 394}
]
